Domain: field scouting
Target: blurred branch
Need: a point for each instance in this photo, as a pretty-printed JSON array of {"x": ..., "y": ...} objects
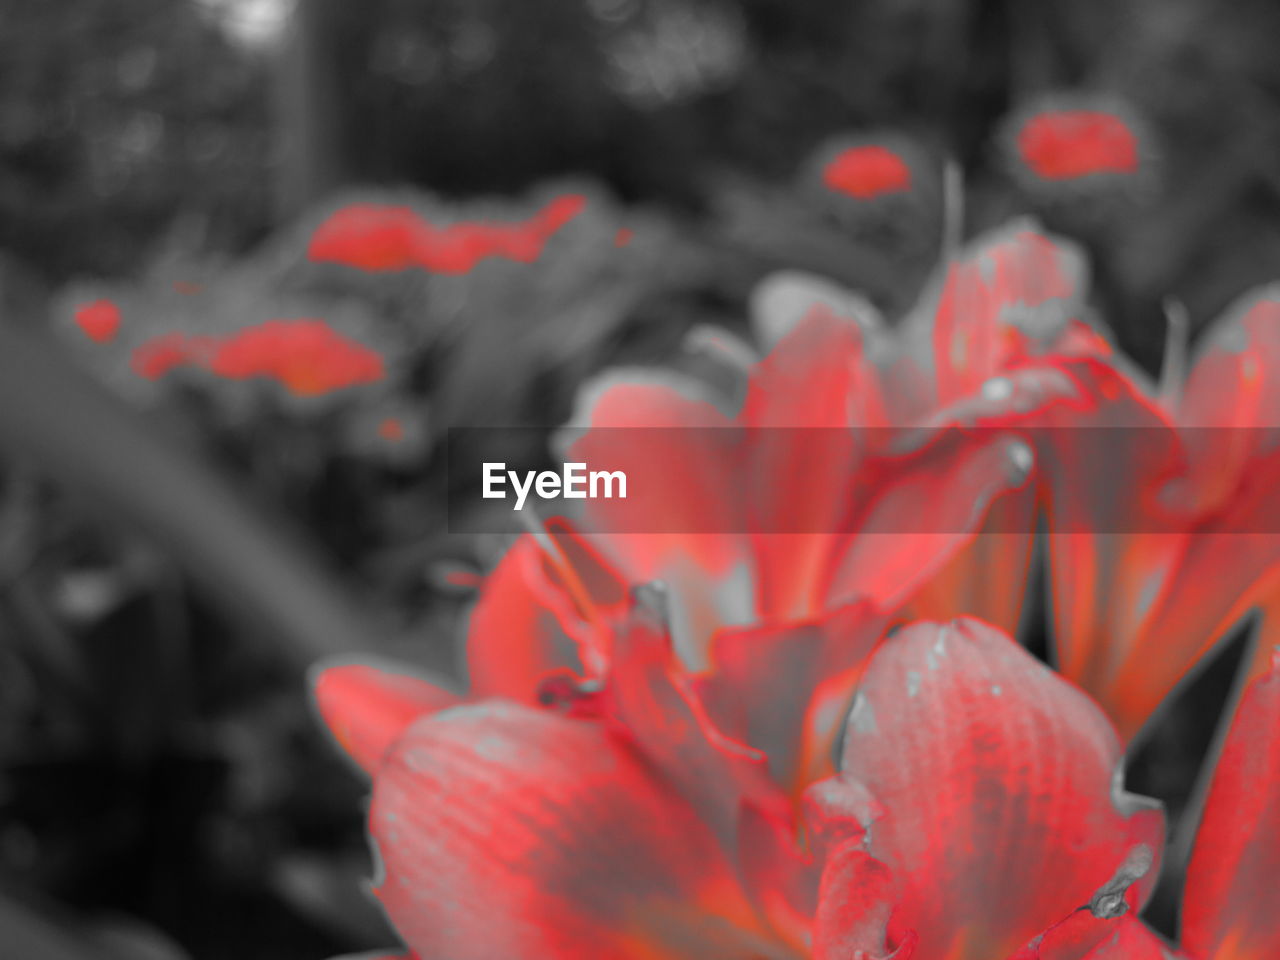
[{"x": 84, "y": 437}]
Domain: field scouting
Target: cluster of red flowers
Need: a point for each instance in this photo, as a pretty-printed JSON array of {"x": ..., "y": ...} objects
[
  {"x": 379, "y": 237},
  {"x": 307, "y": 357},
  {"x": 754, "y": 744}
]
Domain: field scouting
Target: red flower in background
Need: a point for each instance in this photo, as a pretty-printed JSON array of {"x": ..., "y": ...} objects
[
  {"x": 1161, "y": 539},
  {"x": 1090, "y": 157},
  {"x": 100, "y": 320},
  {"x": 866, "y": 172},
  {"x": 378, "y": 237},
  {"x": 1065, "y": 144},
  {"x": 305, "y": 356}
]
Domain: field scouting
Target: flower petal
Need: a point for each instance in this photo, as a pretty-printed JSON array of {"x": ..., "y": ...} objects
[
  {"x": 1104, "y": 927},
  {"x": 1231, "y": 405},
  {"x": 506, "y": 831},
  {"x": 785, "y": 689},
  {"x": 694, "y": 489},
  {"x": 999, "y": 785},
  {"x": 653, "y": 700},
  {"x": 855, "y": 906},
  {"x": 913, "y": 513},
  {"x": 687, "y": 463},
  {"x": 805, "y": 441},
  {"x": 1144, "y": 582},
  {"x": 1230, "y": 910},
  {"x": 987, "y": 578},
  {"x": 367, "y": 707},
  {"x": 516, "y": 635},
  {"x": 1112, "y": 544},
  {"x": 1011, "y": 294},
  {"x": 781, "y": 300},
  {"x": 1083, "y": 936}
]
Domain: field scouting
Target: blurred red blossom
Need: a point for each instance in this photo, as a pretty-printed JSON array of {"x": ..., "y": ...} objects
[
  {"x": 1087, "y": 158},
  {"x": 305, "y": 356},
  {"x": 867, "y": 171},
  {"x": 100, "y": 320},
  {"x": 379, "y": 237},
  {"x": 1064, "y": 144}
]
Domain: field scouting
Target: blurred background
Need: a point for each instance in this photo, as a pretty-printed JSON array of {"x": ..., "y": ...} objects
[{"x": 177, "y": 545}]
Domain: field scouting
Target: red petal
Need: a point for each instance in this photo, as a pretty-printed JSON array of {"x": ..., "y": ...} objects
[
  {"x": 1082, "y": 936},
  {"x": 366, "y": 708},
  {"x": 1233, "y": 390},
  {"x": 855, "y": 906},
  {"x": 377, "y": 237},
  {"x": 804, "y": 447},
  {"x": 987, "y": 578},
  {"x": 688, "y": 464},
  {"x": 1111, "y": 544},
  {"x": 916, "y": 511},
  {"x": 1067, "y": 144},
  {"x": 1225, "y": 564},
  {"x": 1230, "y": 909},
  {"x": 100, "y": 320},
  {"x": 1011, "y": 294},
  {"x": 1103, "y": 928},
  {"x": 515, "y": 637},
  {"x": 998, "y": 781},
  {"x": 652, "y": 698},
  {"x": 511, "y": 832},
  {"x": 784, "y": 689},
  {"x": 1141, "y": 590},
  {"x": 688, "y": 478},
  {"x": 866, "y": 172}
]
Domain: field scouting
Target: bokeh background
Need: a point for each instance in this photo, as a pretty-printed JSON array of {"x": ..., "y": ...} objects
[{"x": 175, "y": 551}]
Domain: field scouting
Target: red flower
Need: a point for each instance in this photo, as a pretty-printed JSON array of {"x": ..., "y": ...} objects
[
  {"x": 379, "y": 237},
  {"x": 977, "y": 815},
  {"x": 616, "y": 826},
  {"x": 867, "y": 171},
  {"x": 305, "y": 356},
  {"x": 100, "y": 320},
  {"x": 1160, "y": 510},
  {"x": 1065, "y": 144},
  {"x": 985, "y": 327}
]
